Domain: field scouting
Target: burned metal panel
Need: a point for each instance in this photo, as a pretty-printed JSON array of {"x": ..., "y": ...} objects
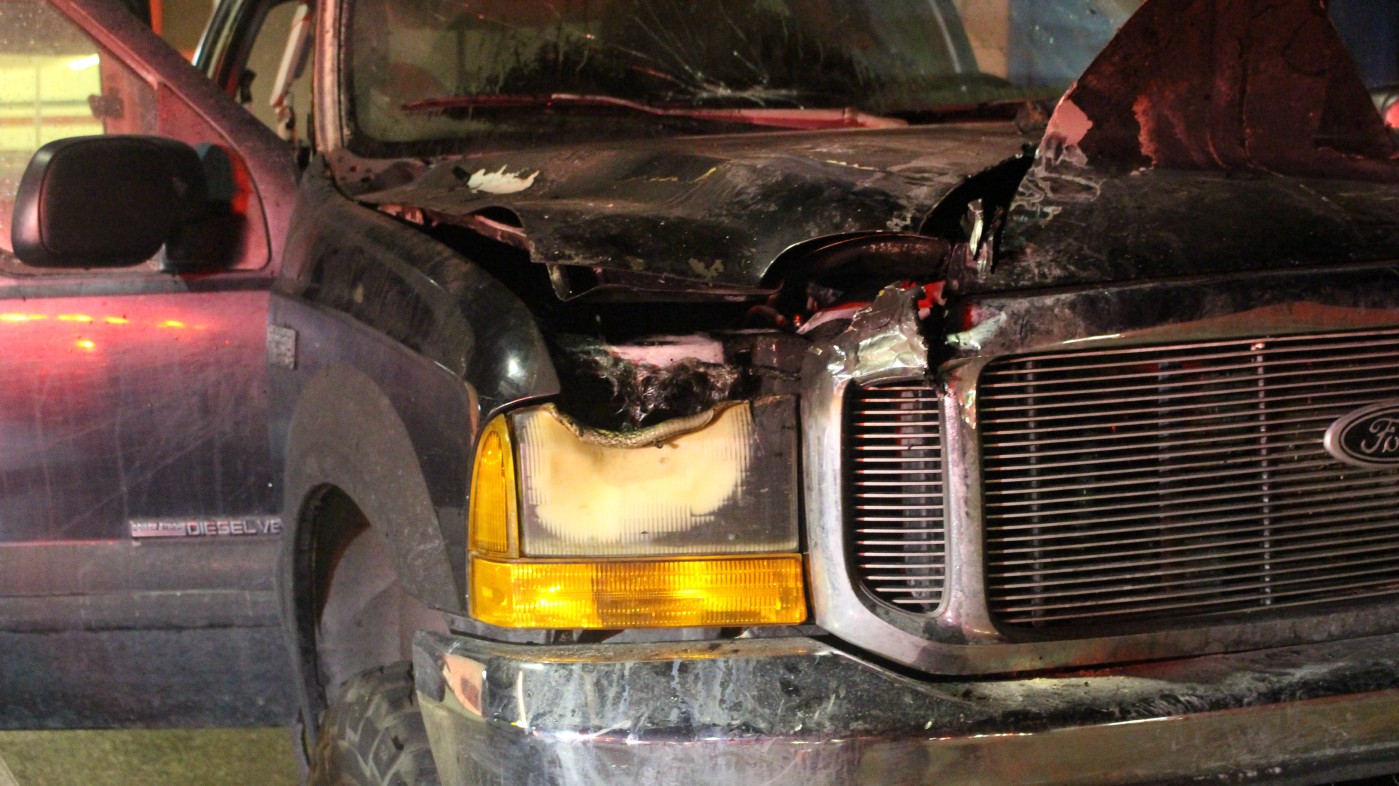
[
  {"x": 1248, "y": 85},
  {"x": 714, "y": 212},
  {"x": 1351, "y": 297},
  {"x": 1206, "y": 138},
  {"x": 673, "y": 375},
  {"x": 1088, "y": 227},
  {"x": 626, "y": 385}
]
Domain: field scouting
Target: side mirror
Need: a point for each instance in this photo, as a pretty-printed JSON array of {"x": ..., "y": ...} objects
[{"x": 109, "y": 201}]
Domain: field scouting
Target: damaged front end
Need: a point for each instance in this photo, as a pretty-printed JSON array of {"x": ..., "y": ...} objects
[
  {"x": 690, "y": 279},
  {"x": 691, "y": 487},
  {"x": 1025, "y": 442},
  {"x": 689, "y": 363}
]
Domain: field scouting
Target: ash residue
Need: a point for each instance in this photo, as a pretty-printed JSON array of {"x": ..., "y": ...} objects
[{"x": 606, "y": 390}]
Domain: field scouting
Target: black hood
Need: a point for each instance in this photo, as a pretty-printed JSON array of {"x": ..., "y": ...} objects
[
  {"x": 1210, "y": 136},
  {"x": 713, "y": 211}
]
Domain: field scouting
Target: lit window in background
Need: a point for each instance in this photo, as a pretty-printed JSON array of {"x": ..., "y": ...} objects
[
  {"x": 87, "y": 61},
  {"x": 45, "y": 99},
  {"x": 48, "y": 69}
]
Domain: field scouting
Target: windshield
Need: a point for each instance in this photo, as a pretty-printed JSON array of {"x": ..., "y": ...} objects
[{"x": 429, "y": 75}]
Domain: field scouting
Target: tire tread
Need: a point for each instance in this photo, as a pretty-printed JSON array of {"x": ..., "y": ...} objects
[{"x": 373, "y": 735}]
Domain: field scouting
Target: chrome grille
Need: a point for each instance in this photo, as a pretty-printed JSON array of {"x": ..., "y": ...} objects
[
  {"x": 893, "y": 493},
  {"x": 1174, "y": 482}
]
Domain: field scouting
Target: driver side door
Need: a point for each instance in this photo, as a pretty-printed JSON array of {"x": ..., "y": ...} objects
[{"x": 138, "y": 502}]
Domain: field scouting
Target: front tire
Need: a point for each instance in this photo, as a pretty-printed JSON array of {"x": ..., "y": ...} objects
[{"x": 373, "y": 734}]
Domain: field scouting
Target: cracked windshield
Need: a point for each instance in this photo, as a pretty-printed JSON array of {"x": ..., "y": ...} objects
[{"x": 506, "y": 70}]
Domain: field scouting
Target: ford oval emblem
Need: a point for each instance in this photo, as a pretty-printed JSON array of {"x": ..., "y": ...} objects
[{"x": 1367, "y": 437}]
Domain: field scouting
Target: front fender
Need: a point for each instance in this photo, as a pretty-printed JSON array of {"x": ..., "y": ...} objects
[{"x": 346, "y": 433}]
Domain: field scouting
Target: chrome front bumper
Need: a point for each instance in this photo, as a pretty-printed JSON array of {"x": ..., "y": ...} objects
[{"x": 796, "y": 711}]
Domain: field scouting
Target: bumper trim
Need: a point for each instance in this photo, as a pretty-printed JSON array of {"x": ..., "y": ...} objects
[{"x": 797, "y": 711}]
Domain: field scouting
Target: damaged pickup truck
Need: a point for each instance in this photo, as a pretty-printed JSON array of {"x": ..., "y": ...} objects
[{"x": 763, "y": 391}]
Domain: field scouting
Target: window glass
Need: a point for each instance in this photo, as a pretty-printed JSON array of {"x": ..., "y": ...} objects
[
  {"x": 421, "y": 73},
  {"x": 1371, "y": 31},
  {"x": 56, "y": 82},
  {"x": 260, "y": 73}
]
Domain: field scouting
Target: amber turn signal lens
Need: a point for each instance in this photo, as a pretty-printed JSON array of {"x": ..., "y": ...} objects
[
  {"x": 493, "y": 502},
  {"x": 766, "y": 590}
]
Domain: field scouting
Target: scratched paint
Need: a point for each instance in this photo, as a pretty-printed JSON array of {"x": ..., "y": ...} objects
[{"x": 129, "y": 408}]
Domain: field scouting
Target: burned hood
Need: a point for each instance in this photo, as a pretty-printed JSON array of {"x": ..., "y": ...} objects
[
  {"x": 1210, "y": 136},
  {"x": 705, "y": 212},
  {"x": 1224, "y": 85},
  {"x": 1097, "y": 228}
]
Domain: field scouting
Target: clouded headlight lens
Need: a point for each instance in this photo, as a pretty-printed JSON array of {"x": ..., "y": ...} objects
[
  {"x": 717, "y": 487},
  {"x": 689, "y": 523}
]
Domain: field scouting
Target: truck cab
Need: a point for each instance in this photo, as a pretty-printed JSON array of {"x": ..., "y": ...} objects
[{"x": 831, "y": 392}]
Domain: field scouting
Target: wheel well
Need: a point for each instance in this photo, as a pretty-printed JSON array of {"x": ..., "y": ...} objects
[{"x": 351, "y": 609}]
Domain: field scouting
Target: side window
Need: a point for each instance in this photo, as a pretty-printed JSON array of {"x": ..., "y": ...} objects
[
  {"x": 275, "y": 84},
  {"x": 57, "y": 83}
]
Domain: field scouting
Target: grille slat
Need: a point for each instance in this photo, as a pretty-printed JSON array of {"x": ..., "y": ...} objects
[
  {"x": 1249, "y": 526},
  {"x": 1279, "y": 369},
  {"x": 1213, "y": 415},
  {"x": 1114, "y": 356},
  {"x": 1180, "y": 391},
  {"x": 1164, "y": 483},
  {"x": 1204, "y": 586},
  {"x": 1147, "y": 435},
  {"x": 1275, "y": 555},
  {"x": 1199, "y": 603},
  {"x": 1112, "y": 443},
  {"x": 1140, "y": 479},
  {"x": 1135, "y": 475},
  {"x": 1093, "y": 462},
  {"x": 1119, "y": 494},
  {"x": 1094, "y": 535},
  {"x": 893, "y": 465},
  {"x": 1174, "y": 507},
  {"x": 1278, "y": 603},
  {"x": 1074, "y": 410}
]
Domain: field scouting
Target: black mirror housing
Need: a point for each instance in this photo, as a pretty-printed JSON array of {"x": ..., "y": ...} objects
[{"x": 106, "y": 201}]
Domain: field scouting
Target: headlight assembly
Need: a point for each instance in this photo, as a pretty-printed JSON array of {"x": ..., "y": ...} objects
[{"x": 689, "y": 523}]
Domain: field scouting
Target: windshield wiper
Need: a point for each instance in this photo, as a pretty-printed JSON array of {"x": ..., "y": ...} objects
[{"x": 804, "y": 119}]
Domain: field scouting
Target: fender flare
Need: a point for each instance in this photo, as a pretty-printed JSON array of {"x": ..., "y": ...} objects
[{"x": 346, "y": 433}]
